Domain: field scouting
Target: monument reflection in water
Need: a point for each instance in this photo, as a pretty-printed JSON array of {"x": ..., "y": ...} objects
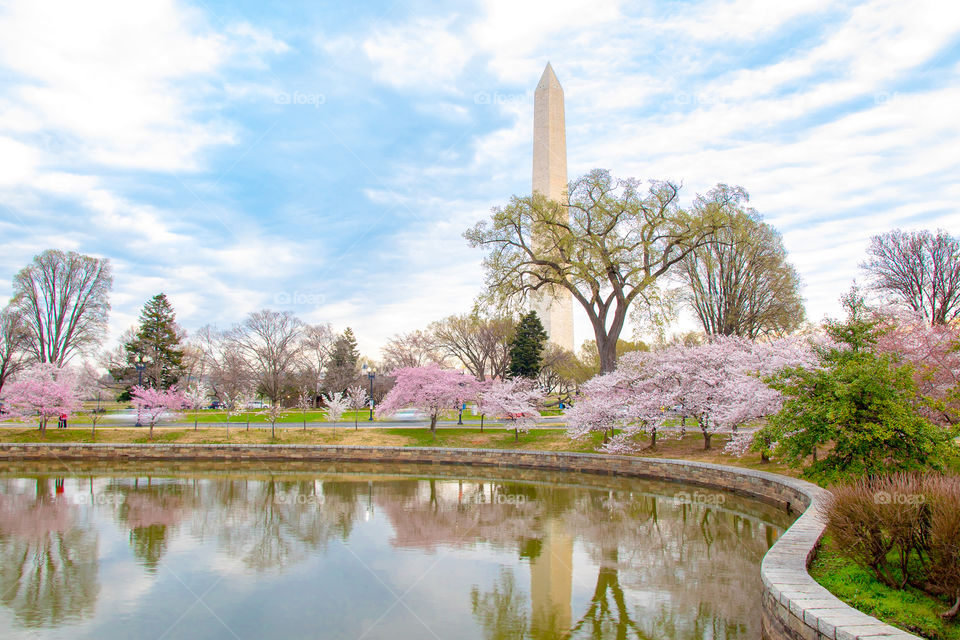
[{"x": 348, "y": 554}]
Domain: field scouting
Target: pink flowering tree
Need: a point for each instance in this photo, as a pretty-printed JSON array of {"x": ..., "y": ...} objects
[
  {"x": 934, "y": 353},
  {"x": 153, "y": 403},
  {"x": 716, "y": 387},
  {"x": 42, "y": 391},
  {"x": 516, "y": 400},
  {"x": 605, "y": 404},
  {"x": 430, "y": 389}
]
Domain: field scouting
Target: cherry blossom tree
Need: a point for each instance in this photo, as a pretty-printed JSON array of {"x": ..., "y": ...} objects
[
  {"x": 153, "y": 403},
  {"x": 337, "y": 403},
  {"x": 516, "y": 399},
  {"x": 430, "y": 389},
  {"x": 42, "y": 391},
  {"x": 717, "y": 385},
  {"x": 195, "y": 398},
  {"x": 934, "y": 353},
  {"x": 357, "y": 400}
]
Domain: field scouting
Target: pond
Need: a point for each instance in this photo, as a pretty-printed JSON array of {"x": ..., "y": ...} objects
[{"x": 369, "y": 552}]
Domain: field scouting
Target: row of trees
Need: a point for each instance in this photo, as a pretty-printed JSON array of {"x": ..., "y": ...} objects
[
  {"x": 876, "y": 392},
  {"x": 627, "y": 253}
]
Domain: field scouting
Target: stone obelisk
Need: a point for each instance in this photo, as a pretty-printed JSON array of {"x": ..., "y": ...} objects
[{"x": 550, "y": 179}]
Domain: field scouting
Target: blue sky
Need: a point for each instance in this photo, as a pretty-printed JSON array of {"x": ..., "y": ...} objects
[{"x": 325, "y": 157}]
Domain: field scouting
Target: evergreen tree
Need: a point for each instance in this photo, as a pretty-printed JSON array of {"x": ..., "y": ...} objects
[
  {"x": 344, "y": 366},
  {"x": 526, "y": 350},
  {"x": 156, "y": 344}
]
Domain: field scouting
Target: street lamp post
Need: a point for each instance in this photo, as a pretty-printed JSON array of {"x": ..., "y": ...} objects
[
  {"x": 139, "y": 367},
  {"x": 371, "y": 374}
]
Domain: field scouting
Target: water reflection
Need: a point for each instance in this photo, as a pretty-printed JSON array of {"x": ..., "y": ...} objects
[
  {"x": 48, "y": 554},
  {"x": 524, "y": 557}
]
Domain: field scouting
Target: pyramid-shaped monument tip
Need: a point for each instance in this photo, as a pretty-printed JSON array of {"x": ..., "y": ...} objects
[{"x": 548, "y": 79}]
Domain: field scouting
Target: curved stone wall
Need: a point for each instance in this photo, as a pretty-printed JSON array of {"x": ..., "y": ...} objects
[{"x": 795, "y": 607}]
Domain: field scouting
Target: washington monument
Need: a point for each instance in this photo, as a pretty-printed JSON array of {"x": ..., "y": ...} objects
[{"x": 550, "y": 179}]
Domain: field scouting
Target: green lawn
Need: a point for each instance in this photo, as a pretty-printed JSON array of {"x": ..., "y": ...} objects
[
  {"x": 908, "y": 609},
  {"x": 208, "y": 416}
]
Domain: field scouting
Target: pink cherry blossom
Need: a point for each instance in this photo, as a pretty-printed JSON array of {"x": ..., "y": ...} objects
[
  {"x": 716, "y": 387},
  {"x": 42, "y": 391},
  {"x": 430, "y": 389},
  {"x": 516, "y": 400},
  {"x": 153, "y": 403}
]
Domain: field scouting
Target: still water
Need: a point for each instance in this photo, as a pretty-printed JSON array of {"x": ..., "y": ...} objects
[{"x": 364, "y": 552}]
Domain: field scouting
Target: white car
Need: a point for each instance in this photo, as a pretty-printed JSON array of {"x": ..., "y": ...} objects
[{"x": 410, "y": 415}]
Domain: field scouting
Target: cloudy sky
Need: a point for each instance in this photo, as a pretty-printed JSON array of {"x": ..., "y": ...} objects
[{"x": 325, "y": 157}]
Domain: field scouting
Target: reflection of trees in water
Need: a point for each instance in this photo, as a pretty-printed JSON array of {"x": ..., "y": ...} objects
[
  {"x": 693, "y": 567},
  {"x": 271, "y": 524},
  {"x": 151, "y": 511},
  {"x": 48, "y": 556},
  {"x": 664, "y": 568},
  {"x": 427, "y": 514},
  {"x": 501, "y": 611}
]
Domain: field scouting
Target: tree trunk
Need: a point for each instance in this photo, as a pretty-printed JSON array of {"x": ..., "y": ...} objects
[
  {"x": 653, "y": 439},
  {"x": 304, "y": 423},
  {"x": 516, "y": 434},
  {"x": 433, "y": 426},
  {"x": 481, "y": 423},
  {"x": 764, "y": 458},
  {"x": 195, "y": 420},
  {"x": 706, "y": 441},
  {"x": 356, "y": 420},
  {"x": 953, "y": 611},
  {"x": 273, "y": 429},
  {"x": 607, "y": 349},
  {"x": 151, "y": 430}
]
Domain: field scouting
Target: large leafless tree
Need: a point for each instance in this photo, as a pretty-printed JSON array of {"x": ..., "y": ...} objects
[
  {"x": 918, "y": 269},
  {"x": 739, "y": 282},
  {"x": 412, "y": 349},
  {"x": 63, "y": 301},
  {"x": 481, "y": 344},
  {"x": 269, "y": 342},
  {"x": 12, "y": 336},
  {"x": 314, "y": 352},
  {"x": 606, "y": 248}
]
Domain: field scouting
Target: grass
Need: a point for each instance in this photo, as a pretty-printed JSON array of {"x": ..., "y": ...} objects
[
  {"x": 688, "y": 448},
  {"x": 289, "y": 416},
  {"x": 908, "y": 609}
]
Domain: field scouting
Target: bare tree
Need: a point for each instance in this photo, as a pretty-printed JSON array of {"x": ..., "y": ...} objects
[
  {"x": 226, "y": 371},
  {"x": 606, "y": 248},
  {"x": 269, "y": 342},
  {"x": 316, "y": 348},
  {"x": 12, "y": 339},
  {"x": 480, "y": 344},
  {"x": 557, "y": 370},
  {"x": 739, "y": 282},
  {"x": 63, "y": 301},
  {"x": 413, "y": 349},
  {"x": 918, "y": 269}
]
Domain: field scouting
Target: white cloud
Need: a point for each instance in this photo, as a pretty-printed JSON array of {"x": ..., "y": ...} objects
[{"x": 424, "y": 54}]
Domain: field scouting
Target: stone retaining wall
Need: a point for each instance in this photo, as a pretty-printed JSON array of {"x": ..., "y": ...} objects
[{"x": 795, "y": 607}]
